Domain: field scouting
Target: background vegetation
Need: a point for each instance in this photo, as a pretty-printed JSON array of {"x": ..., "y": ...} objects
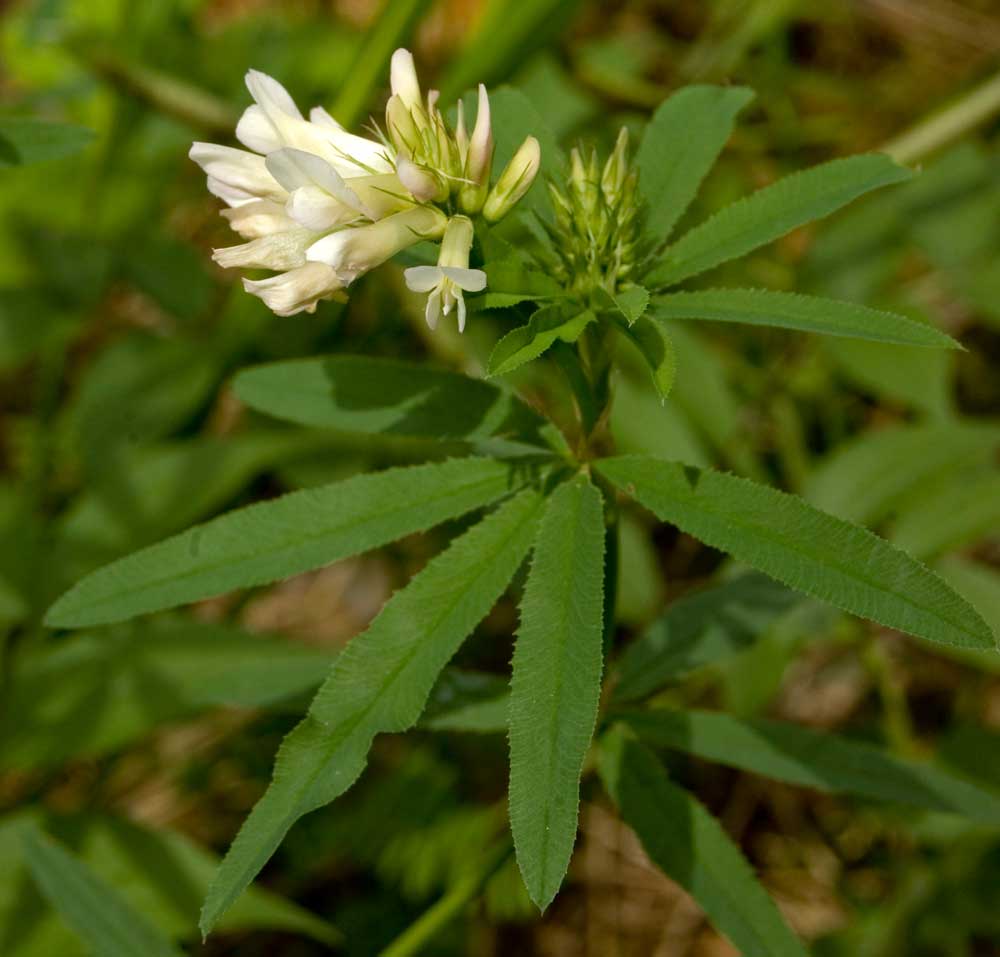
[{"x": 143, "y": 747}]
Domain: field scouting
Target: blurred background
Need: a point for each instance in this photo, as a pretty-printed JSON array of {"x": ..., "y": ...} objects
[{"x": 143, "y": 747}]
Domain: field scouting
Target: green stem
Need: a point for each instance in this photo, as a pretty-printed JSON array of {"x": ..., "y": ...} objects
[
  {"x": 433, "y": 921},
  {"x": 969, "y": 111}
]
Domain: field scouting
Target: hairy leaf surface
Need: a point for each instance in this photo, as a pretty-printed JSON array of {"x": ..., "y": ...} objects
[
  {"x": 771, "y": 212},
  {"x": 379, "y": 684},
  {"x": 681, "y": 144},
  {"x": 786, "y": 538},
  {"x": 787, "y": 310},
  {"x": 274, "y": 540},
  {"x": 556, "y": 684}
]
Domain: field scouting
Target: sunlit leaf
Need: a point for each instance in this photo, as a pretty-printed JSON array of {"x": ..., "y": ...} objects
[
  {"x": 681, "y": 144},
  {"x": 379, "y": 684},
  {"x": 287, "y": 536},
  {"x": 771, "y": 212},
  {"x": 556, "y": 684},
  {"x": 806, "y": 549},
  {"x": 548, "y": 324}
]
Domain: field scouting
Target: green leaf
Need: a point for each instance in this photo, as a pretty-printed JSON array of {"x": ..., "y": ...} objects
[
  {"x": 656, "y": 348},
  {"x": 529, "y": 341},
  {"x": 273, "y": 540},
  {"x": 681, "y": 144},
  {"x": 160, "y": 873},
  {"x": 771, "y": 212},
  {"x": 96, "y": 911},
  {"x": 691, "y": 848},
  {"x": 806, "y": 549},
  {"x": 631, "y": 301},
  {"x": 468, "y": 701},
  {"x": 359, "y": 394},
  {"x": 812, "y": 759},
  {"x": 26, "y": 140},
  {"x": 96, "y": 693},
  {"x": 556, "y": 684},
  {"x": 965, "y": 509},
  {"x": 701, "y": 629},
  {"x": 379, "y": 684},
  {"x": 787, "y": 310},
  {"x": 865, "y": 479}
]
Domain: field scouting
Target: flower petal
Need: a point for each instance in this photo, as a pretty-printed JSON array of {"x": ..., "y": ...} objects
[
  {"x": 403, "y": 78},
  {"x": 297, "y": 290},
  {"x": 471, "y": 280},
  {"x": 280, "y": 251},
  {"x": 433, "y": 311},
  {"x": 259, "y": 217},
  {"x": 422, "y": 278},
  {"x": 317, "y": 210},
  {"x": 243, "y": 172}
]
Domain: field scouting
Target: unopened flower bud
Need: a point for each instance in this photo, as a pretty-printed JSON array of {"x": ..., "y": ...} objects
[
  {"x": 616, "y": 169},
  {"x": 424, "y": 184},
  {"x": 401, "y": 126},
  {"x": 514, "y": 182},
  {"x": 403, "y": 78},
  {"x": 479, "y": 158}
]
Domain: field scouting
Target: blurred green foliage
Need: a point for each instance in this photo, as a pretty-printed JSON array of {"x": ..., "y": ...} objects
[{"x": 140, "y": 748}]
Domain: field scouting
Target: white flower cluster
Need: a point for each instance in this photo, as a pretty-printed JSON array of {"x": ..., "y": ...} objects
[{"x": 321, "y": 206}]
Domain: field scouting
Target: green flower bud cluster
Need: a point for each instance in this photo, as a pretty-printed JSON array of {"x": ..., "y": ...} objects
[{"x": 595, "y": 236}]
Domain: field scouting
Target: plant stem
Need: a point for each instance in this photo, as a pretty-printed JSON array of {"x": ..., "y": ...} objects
[
  {"x": 942, "y": 128},
  {"x": 431, "y": 922}
]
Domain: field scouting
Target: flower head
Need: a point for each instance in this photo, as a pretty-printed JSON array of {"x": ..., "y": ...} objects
[
  {"x": 322, "y": 206},
  {"x": 452, "y": 276}
]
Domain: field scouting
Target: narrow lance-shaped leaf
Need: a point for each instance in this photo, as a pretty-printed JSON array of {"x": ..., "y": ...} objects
[
  {"x": 359, "y": 394},
  {"x": 786, "y": 310},
  {"x": 546, "y": 326},
  {"x": 656, "y": 348},
  {"x": 797, "y": 544},
  {"x": 290, "y": 535},
  {"x": 97, "y": 912},
  {"x": 556, "y": 684},
  {"x": 379, "y": 684},
  {"x": 700, "y": 629},
  {"x": 691, "y": 848},
  {"x": 771, "y": 212},
  {"x": 681, "y": 144},
  {"x": 786, "y": 752}
]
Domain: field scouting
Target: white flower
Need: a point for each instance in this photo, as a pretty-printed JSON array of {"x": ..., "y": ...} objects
[
  {"x": 357, "y": 249},
  {"x": 297, "y": 290},
  {"x": 235, "y": 176},
  {"x": 274, "y": 122},
  {"x": 447, "y": 281},
  {"x": 478, "y": 159}
]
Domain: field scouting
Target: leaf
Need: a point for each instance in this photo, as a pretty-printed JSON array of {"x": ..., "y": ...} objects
[
  {"x": 692, "y": 849},
  {"x": 511, "y": 280},
  {"x": 529, "y": 341},
  {"x": 469, "y": 701},
  {"x": 963, "y": 510},
  {"x": 786, "y": 310},
  {"x": 771, "y": 212},
  {"x": 656, "y": 348},
  {"x": 96, "y": 911},
  {"x": 806, "y": 549},
  {"x": 700, "y": 629},
  {"x": 812, "y": 759},
  {"x": 556, "y": 684},
  {"x": 27, "y": 140},
  {"x": 379, "y": 684},
  {"x": 681, "y": 144},
  {"x": 287, "y": 536},
  {"x": 863, "y": 480},
  {"x": 160, "y": 873},
  {"x": 96, "y": 693},
  {"x": 359, "y": 394},
  {"x": 631, "y": 301}
]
